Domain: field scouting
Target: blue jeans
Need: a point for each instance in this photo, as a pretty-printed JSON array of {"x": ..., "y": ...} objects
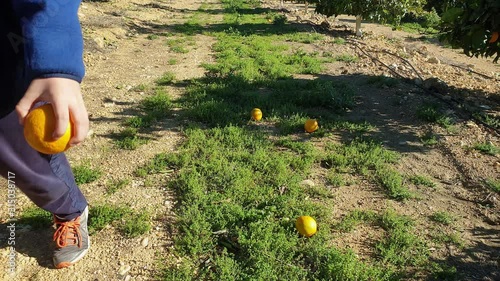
[{"x": 46, "y": 179}]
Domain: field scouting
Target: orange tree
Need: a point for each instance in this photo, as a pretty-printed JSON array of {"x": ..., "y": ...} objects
[
  {"x": 391, "y": 11},
  {"x": 473, "y": 25}
]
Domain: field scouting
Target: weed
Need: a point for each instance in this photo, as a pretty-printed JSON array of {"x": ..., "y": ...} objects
[
  {"x": 136, "y": 225},
  {"x": 172, "y": 61},
  {"x": 346, "y": 58},
  {"x": 36, "y": 218},
  {"x": 494, "y": 185},
  {"x": 446, "y": 238},
  {"x": 103, "y": 215},
  {"x": 432, "y": 113},
  {"x": 166, "y": 79},
  {"x": 356, "y": 217},
  {"x": 85, "y": 174},
  {"x": 153, "y": 37},
  {"x": 339, "y": 41},
  {"x": 429, "y": 139},
  {"x": 335, "y": 179},
  {"x": 157, "y": 105},
  {"x": 128, "y": 139},
  {"x": 115, "y": 185},
  {"x": 422, "y": 181},
  {"x": 487, "y": 148},
  {"x": 442, "y": 217}
]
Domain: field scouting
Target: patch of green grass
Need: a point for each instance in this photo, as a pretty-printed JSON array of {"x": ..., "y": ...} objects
[
  {"x": 490, "y": 120},
  {"x": 354, "y": 218},
  {"x": 128, "y": 139},
  {"x": 303, "y": 37},
  {"x": 157, "y": 105},
  {"x": 346, "y": 58},
  {"x": 429, "y": 139},
  {"x": 422, "y": 181},
  {"x": 494, "y": 185},
  {"x": 442, "y": 217},
  {"x": 371, "y": 160},
  {"x": 487, "y": 148},
  {"x": 335, "y": 179},
  {"x": 432, "y": 113},
  {"x": 443, "y": 272},
  {"x": 129, "y": 223},
  {"x": 339, "y": 41},
  {"x": 104, "y": 215},
  {"x": 115, "y": 185},
  {"x": 172, "y": 61},
  {"x": 446, "y": 238},
  {"x": 136, "y": 225},
  {"x": 239, "y": 195},
  {"x": 140, "y": 121},
  {"x": 86, "y": 174},
  {"x": 152, "y": 37},
  {"x": 401, "y": 246},
  {"x": 166, "y": 79},
  {"x": 36, "y": 218},
  {"x": 177, "y": 45}
]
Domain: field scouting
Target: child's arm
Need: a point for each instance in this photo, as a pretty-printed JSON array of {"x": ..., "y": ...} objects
[{"x": 53, "y": 48}]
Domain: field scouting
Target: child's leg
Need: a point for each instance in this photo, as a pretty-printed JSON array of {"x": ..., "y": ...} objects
[{"x": 46, "y": 179}]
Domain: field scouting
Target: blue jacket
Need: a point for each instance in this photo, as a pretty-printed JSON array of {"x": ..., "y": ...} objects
[{"x": 38, "y": 39}]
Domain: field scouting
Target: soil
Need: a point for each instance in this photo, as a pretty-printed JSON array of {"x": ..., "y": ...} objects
[{"x": 119, "y": 56}]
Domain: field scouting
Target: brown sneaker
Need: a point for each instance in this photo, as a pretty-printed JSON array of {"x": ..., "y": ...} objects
[{"x": 72, "y": 240}]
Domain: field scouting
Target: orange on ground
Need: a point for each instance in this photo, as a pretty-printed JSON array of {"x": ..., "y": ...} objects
[
  {"x": 39, "y": 125},
  {"x": 494, "y": 37},
  {"x": 256, "y": 114},
  {"x": 306, "y": 226},
  {"x": 311, "y": 125}
]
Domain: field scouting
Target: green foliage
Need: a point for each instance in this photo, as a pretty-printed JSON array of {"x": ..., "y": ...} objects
[
  {"x": 135, "y": 224},
  {"x": 429, "y": 139},
  {"x": 442, "y": 218},
  {"x": 85, "y": 174},
  {"x": 391, "y": 11},
  {"x": 371, "y": 160},
  {"x": 487, "y": 148},
  {"x": 36, "y": 218},
  {"x": 494, "y": 185},
  {"x": 433, "y": 113},
  {"x": 422, "y": 180},
  {"x": 128, "y": 139},
  {"x": 166, "y": 79},
  {"x": 129, "y": 223},
  {"x": 115, "y": 185},
  {"x": 471, "y": 25},
  {"x": 103, "y": 215}
]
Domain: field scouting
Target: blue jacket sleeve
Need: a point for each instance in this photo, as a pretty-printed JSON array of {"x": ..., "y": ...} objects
[{"x": 53, "y": 42}]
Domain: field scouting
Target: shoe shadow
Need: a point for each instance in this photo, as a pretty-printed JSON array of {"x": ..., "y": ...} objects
[{"x": 36, "y": 243}]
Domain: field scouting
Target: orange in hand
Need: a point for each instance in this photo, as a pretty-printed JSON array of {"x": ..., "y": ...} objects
[{"x": 39, "y": 125}]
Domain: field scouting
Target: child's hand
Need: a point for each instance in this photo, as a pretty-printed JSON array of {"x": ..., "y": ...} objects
[{"x": 66, "y": 99}]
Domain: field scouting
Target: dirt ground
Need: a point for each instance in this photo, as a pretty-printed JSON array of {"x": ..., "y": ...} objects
[{"x": 119, "y": 56}]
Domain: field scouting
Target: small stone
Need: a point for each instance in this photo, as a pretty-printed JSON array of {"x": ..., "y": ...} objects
[
  {"x": 309, "y": 183},
  {"x": 145, "y": 242},
  {"x": 471, "y": 124},
  {"x": 90, "y": 133},
  {"x": 402, "y": 143},
  {"x": 432, "y": 249},
  {"x": 124, "y": 269},
  {"x": 127, "y": 278},
  {"x": 433, "y": 60}
]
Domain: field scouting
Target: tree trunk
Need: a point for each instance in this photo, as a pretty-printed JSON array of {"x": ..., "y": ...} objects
[
  {"x": 358, "y": 26},
  {"x": 307, "y": 6}
]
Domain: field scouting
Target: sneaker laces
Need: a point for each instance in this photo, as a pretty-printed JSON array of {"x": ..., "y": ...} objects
[{"x": 68, "y": 231}]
